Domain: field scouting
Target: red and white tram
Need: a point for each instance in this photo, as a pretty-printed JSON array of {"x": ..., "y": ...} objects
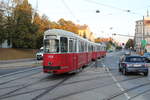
[{"x": 67, "y": 52}]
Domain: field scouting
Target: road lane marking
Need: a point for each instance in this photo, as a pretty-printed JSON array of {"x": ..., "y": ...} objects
[{"x": 115, "y": 80}]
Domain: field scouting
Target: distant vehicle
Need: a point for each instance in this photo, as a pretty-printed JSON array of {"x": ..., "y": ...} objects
[
  {"x": 127, "y": 53},
  {"x": 133, "y": 64},
  {"x": 39, "y": 54},
  {"x": 147, "y": 55},
  {"x": 110, "y": 51}
]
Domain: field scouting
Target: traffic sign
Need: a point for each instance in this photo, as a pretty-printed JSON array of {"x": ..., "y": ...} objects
[{"x": 144, "y": 43}]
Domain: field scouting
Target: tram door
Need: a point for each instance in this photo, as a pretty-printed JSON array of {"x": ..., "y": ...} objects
[
  {"x": 72, "y": 50},
  {"x": 75, "y": 54}
]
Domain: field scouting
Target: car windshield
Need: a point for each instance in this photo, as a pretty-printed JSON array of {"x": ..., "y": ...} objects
[
  {"x": 51, "y": 46},
  {"x": 135, "y": 59},
  {"x": 147, "y": 54},
  {"x": 40, "y": 51}
]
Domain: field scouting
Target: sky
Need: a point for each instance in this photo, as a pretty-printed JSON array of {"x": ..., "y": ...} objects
[{"x": 114, "y": 15}]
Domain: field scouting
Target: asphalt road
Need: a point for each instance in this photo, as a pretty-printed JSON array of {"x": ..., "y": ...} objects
[
  {"x": 4, "y": 71},
  {"x": 96, "y": 82},
  {"x": 11, "y": 66}
]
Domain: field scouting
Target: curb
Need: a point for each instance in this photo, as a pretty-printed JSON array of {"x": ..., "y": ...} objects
[
  {"x": 17, "y": 60},
  {"x": 21, "y": 64}
]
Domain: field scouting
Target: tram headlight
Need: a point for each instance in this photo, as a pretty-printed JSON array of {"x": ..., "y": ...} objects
[{"x": 49, "y": 63}]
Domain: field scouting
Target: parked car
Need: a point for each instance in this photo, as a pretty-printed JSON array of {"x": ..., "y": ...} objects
[
  {"x": 39, "y": 54},
  {"x": 133, "y": 64}
]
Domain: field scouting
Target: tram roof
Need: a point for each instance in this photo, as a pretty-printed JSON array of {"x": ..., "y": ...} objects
[
  {"x": 65, "y": 33},
  {"x": 59, "y": 32}
]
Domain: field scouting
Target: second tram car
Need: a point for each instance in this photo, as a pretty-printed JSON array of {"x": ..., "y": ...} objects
[{"x": 65, "y": 51}]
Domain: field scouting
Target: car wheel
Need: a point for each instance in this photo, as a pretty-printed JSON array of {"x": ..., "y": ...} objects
[
  {"x": 119, "y": 69},
  {"x": 146, "y": 74},
  {"x": 124, "y": 71},
  {"x": 38, "y": 58}
]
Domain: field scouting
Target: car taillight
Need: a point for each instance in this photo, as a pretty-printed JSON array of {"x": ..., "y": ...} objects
[
  {"x": 125, "y": 65},
  {"x": 128, "y": 65},
  {"x": 145, "y": 65}
]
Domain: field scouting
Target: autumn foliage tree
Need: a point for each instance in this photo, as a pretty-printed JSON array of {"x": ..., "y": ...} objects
[
  {"x": 24, "y": 27},
  {"x": 67, "y": 25},
  {"x": 43, "y": 24},
  {"x": 25, "y": 31}
]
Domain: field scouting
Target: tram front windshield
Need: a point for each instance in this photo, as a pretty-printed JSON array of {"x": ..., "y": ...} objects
[{"x": 51, "y": 46}]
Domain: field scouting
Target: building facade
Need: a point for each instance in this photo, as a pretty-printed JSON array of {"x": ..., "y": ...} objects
[
  {"x": 5, "y": 44},
  {"x": 85, "y": 32},
  {"x": 142, "y": 32}
]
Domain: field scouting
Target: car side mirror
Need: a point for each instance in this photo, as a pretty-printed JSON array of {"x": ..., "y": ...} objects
[{"x": 147, "y": 61}]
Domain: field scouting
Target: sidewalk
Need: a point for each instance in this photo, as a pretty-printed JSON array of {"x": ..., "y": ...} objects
[{"x": 31, "y": 62}]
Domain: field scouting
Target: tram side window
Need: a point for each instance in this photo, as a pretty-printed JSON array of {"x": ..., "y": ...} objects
[
  {"x": 92, "y": 48},
  {"x": 85, "y": 45},
  {"x": 99, "y": 48},
  {"x": 82, "y": 46},
  {"x": 79, "y": 45},
  {"x": 88, "y": 48},
  {"x": 64, "y": 44},
  {"x": 71, "y": 46},
  {"x": 75, "y": 45}
]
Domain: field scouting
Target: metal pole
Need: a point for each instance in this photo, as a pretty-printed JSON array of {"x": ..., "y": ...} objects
[
  {"x": 143, "y": 29},
  {"x": 143, "y": 35}
]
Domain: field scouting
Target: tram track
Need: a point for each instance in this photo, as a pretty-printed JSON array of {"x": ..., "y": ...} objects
[
  {"x": 139, "y": 94},
  {"x": 61, "y": 83},
  {"x": 21, "y": 87},
  {"x": 126, "y": 90},
  {"x": 123, "y": 91},
  {"x": 19, "y": 77},
  {"x": 17, "y": 72},
  {"x": 50, "y": 88},
  {"x": 47, "y": 90},
  {"x": 97, "y": 87}
]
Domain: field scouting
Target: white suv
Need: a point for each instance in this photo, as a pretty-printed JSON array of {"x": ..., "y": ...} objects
[{"x": 39, "y": 54}]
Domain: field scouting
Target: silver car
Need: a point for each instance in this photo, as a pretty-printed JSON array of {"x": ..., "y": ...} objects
[{"x": 133, "y": 64}]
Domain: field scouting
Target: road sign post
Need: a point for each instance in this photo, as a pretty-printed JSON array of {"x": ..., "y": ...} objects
[{"x": 143, "y": 45}]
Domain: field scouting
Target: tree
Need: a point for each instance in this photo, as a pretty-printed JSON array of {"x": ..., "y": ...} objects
[
  {"x": 3, "y": 36},
  {"x": 67, "y": 25},
  {"x": 84, "y": 35},
  {"x": 25, "y": 31},
  {"x": 129, "y": 43}
]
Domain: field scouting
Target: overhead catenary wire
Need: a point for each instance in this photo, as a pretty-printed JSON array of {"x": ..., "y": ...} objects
[
  {"x": 70, "y": 11},
  {"x": 113, "y": 7}
]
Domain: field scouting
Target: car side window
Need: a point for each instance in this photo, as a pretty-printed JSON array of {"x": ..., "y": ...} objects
[{"x": 146, "y": 60}]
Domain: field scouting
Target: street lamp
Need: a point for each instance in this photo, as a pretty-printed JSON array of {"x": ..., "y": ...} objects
[
  {"x": 122, "y": 35},
  {"x": 97, "y": 11}
]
